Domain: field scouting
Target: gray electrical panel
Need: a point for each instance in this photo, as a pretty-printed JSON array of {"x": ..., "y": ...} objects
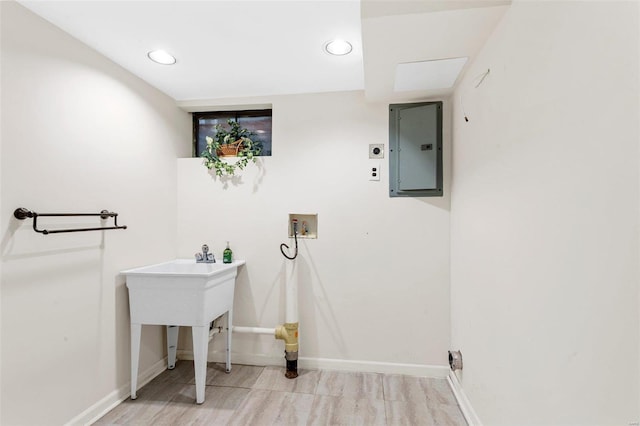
[{"x": 415, "y": 150}]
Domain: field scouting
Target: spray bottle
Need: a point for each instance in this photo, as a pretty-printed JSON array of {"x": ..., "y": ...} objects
[{"x": 227, "y": 255}]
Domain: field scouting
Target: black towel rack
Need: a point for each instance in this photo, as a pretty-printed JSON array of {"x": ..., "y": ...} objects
[{"x": 22, "y": 213}]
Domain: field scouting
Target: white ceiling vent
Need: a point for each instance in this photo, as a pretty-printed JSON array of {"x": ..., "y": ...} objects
[{"x": 428, "y": 75}]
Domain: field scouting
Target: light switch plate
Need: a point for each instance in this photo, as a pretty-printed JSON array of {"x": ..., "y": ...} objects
[
  {"x": 374, "y": 170},
  {"x": 376, "y": 150}
]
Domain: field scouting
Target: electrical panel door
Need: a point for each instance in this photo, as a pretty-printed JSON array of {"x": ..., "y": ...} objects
[{"x": 415, "y": 148}]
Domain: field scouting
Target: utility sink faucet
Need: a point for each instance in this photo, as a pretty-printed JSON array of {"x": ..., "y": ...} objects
[{"x": 205, "y": 256}]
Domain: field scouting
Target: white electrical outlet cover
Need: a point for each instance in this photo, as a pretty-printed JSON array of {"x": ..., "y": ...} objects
[{"x": 374, "y": 170}]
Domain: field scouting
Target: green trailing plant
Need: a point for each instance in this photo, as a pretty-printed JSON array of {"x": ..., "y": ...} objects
[{"x": 224, "y": 138}]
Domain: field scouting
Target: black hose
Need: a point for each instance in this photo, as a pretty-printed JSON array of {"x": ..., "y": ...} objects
[{"x": 295, "y": 236}]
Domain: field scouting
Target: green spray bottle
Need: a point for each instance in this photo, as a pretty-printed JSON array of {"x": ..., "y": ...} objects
[{"x": 227, "y": 254}]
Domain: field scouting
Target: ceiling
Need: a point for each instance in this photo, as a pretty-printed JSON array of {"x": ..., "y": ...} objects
[
  {"x": 241, "y": 48},
  {"x": 430, "y": 32}
]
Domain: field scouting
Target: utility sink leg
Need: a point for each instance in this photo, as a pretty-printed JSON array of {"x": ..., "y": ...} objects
[
  {"x": 136, "y": 332},
  {"x": 172, "y": 345},
  {"x": 229, "y": 333},
  {"x": 200, "y": 349}
]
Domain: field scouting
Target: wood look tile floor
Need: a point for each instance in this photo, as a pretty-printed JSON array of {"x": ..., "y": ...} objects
[{"x": 251, "y": 395}]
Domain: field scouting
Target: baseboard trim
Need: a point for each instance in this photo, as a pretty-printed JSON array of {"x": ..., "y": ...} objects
[
  {"x": 465, "y": 405},
  {"x": 437, "y": 371},
  {"x": 109, "y": 402}
]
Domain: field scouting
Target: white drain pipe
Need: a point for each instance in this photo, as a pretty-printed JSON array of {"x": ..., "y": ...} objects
[
  {"x": 289, "y": 330},
  {"x": 254, "y": 330},
  {"x": 291, "y": 296},
  {"x": 213, "y": 331}
]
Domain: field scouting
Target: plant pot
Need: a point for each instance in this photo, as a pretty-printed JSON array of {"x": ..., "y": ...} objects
[{"x": 229, "y": 150}]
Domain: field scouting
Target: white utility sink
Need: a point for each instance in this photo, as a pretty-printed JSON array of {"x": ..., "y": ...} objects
[{"x": 181, "y": 292}]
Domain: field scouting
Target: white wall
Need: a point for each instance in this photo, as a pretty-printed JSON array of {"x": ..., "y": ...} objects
[
  {"x": 544, "y": 221},
  {"x": 79, "y": 134},
  {"x": 1, "y": 218},
  {"x": 374, "y": 287}
]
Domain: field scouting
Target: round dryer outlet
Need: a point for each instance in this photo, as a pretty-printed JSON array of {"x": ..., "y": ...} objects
[{"x": 376, "y": 150}]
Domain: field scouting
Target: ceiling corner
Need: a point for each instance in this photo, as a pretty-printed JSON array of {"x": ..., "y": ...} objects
[{"x": 399, "y": 32}]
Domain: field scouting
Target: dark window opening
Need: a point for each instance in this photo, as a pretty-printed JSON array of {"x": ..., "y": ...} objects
[{"x": 257, "y": 121}]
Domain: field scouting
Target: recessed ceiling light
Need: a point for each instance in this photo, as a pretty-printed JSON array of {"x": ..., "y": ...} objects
[
  {"x": 338, "y": 47},
  {"x": 161, "y": 57}
]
